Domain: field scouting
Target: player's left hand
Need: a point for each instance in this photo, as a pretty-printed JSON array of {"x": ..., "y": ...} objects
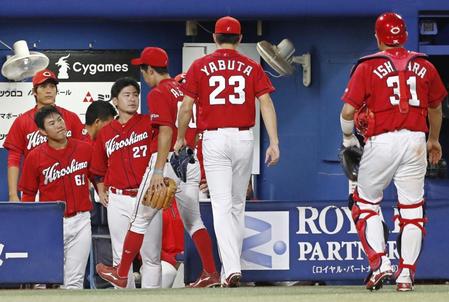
[
  {"x": 180, "y": 142},
  {"x": 272, "y": 155},
  {"x": 350, "y": 140},
  {"x": 434, "y": 151}
]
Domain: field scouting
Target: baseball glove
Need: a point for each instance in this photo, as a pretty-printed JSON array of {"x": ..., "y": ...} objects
[
  {"x": 179, "y": 162},
  {"x": 160, "y": 199},
  {"x": 350, "y": 160}
]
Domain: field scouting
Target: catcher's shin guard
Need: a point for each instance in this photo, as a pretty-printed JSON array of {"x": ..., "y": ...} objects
[
  {"x": 360, "y": 217},
  {"x": 413, "y": 217}
]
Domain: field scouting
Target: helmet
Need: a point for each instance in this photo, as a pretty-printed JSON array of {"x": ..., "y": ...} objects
[{"x": 391, "y": 29}]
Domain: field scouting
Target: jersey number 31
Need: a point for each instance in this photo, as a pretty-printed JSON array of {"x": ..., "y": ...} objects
[{"x": 393, "y": 82}]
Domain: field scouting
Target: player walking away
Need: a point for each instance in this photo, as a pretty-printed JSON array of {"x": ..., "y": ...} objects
[
  {"x": 225, "y": 85},
  {"x": 392, "y": 92},
  {"x": 58, "y": 170},
  {"x": 98, "y": 115},
  {"x": 24, "y": 135},
  {"x": 163, "y": 105},
  {"x": 121, "y": 154}
]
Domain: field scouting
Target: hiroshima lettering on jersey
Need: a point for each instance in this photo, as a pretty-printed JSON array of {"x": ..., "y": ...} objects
[
  {"x": 112, "y": 145},
  {"x": 35, "y": 139},
  {"x": 386, "y": 68},
  {"x": 52, "y": 173},
  {"x": 212, "y": 67}
]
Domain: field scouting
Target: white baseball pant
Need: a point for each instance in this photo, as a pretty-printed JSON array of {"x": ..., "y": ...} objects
[
  {"x": 186, "y": 198},
  {"x": 77, "y": 243},
  {"x": 399, "y": 156},
  {"x": 227, "y": 154},
  {"x": 120, "y": 210}
]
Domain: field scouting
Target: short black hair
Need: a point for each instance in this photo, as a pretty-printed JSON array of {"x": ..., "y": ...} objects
[
  {"x": 101, "y": 110},
  {"x": 43, "y": 113},
  {"x": 122, "y": 83},
  {"x": 227, "y": 38},
  {"x": 159, "y": 70}
]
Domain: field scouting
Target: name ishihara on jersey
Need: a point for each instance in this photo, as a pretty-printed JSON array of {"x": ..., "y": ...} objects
[{"x": 386, "y": 68}]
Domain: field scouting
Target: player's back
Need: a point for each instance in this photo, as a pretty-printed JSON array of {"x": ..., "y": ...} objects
[
  {"x": 377, "y": 82},
  {"x": 226, "y": 84}
]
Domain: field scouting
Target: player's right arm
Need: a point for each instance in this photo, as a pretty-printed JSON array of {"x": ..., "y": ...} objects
[
  {"x": 98, "y": 167},
  {"x": 437, "y": 93},
  {"x": 269, "y": 118},
  {"x": 15, "y": 143},
  {"x": 164, "y": 140},
  {"x": 184, "y": 117},
  {"x": 13, "y": 179},
  {"x": 29, "y": 180},
  {"x": 433, "y": 145}
]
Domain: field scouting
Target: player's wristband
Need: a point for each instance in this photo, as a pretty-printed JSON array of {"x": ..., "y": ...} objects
[
  {"x": 97, "y": 179},
  {"x": 346, "y": 126},
  {"x": 158, "y": 171}
]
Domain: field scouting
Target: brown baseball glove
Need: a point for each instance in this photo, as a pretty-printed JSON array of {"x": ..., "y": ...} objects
[{"x": 160, "y": 199}]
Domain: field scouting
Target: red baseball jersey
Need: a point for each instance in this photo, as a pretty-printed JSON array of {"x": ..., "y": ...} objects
[
  {"x": 226, "y": 84},
  {"x": 59, "y": 175},
  {"x": 121, "y": 152},
  {"x": 24, "y": 134},
  {"x": 163, "y": 101},
  {"x": 375, "y": 82}
]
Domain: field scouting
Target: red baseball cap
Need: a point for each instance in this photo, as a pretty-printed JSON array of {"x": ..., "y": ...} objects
[
  {"x": 153, "y": 56},
  {"x": 227, "y": 25},
  {"x": 44, "y": 76}
]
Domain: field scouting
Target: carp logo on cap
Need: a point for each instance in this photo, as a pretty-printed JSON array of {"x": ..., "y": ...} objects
[
  {"x": 228, "y": 25},
  {"x": 44, "y": 76}
]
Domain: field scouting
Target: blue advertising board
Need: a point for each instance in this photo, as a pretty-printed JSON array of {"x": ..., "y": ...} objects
[
  {"x": 31, "y": 242},
  {"x": 317, "y": 241}
]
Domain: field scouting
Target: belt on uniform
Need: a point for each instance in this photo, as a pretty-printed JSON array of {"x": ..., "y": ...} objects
[
  {"x": 68, "y": 215},
  {"x": 240, "y": 128},
  {"x": 127, "y": 192}
]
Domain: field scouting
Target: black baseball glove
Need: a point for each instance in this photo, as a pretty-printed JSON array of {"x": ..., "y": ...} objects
[
  {"x": 179, "y": 162},
  {"x": 350, "y": 160}
]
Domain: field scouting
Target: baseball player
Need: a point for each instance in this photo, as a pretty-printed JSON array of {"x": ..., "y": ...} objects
[
  {"x": 24, "y": 135},
  {"x": 203, "y": 194},
  {"x": 393, "y": 92},
  {"x": 225, "y": 85},
  {"x": 163, "y": 106},
  {"x": 98, "y": 115},
  {"x": 58, "y": 170},
  {"x": 121, "y": 154}
]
